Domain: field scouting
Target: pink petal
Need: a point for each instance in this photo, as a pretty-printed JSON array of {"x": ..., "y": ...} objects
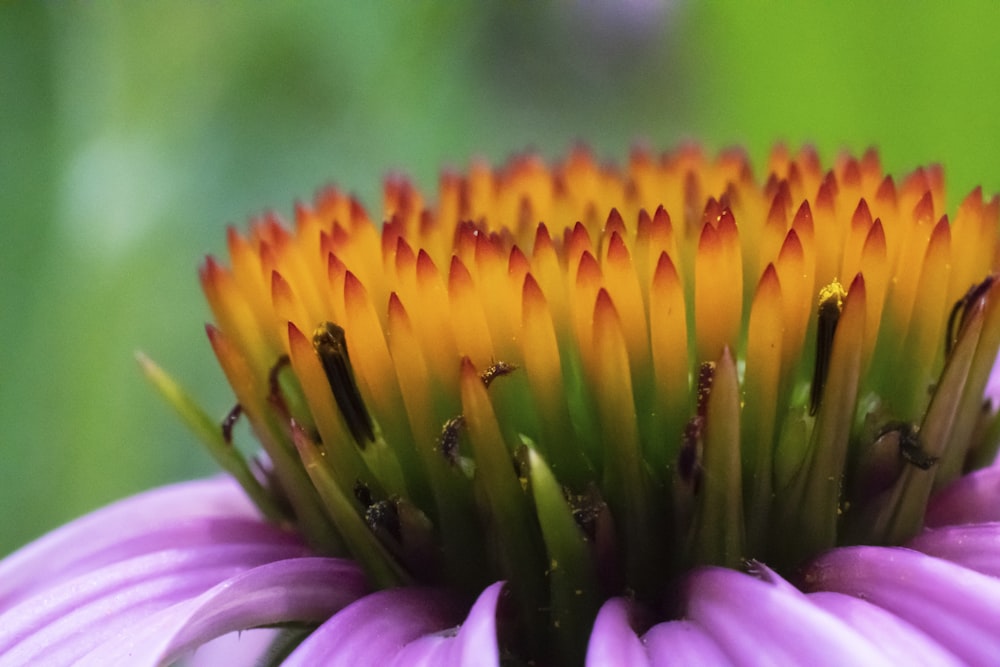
[
  {"x": 107, "y": 535},
  {"x": 682, "y": 643},
  {"x": 474, "y": 644},
  {"x": 246, "y": 647},
  {"x": 973, "y": 498},
  {"x": 900, "y": 641},
  {"x": 374, "y": 629},
  {"x": 297, "y": 590},
  {"x": 975, "y": 545},
  {"x": 67, "y": 620},
  {"x": 955, "y": 606},
  {"x": 756, "y": 622},
  {"x": 613, "y": 640}
]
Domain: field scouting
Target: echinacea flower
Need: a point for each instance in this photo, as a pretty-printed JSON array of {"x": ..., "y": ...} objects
[{"x": 665, "y": 414}]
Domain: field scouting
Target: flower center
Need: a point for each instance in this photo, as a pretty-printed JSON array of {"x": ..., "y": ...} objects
[{"x": 586, "y": 381}]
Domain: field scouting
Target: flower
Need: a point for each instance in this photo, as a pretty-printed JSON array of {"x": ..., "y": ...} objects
[{"x": 664, "y": 414}]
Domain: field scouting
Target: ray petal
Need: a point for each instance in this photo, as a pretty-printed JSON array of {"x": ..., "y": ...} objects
[
  {"x": 474, "y": 645},
  {"x": 112, "y": 533},
  {"x": 756, "y": 622},
  {"x": 955, "y": 606},
  {"x": 374, "y": 629},
  {"x": 299, "y": 590},
  {"x": 613, "y": 640}
]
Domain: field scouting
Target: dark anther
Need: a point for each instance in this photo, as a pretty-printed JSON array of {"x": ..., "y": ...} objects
[
  {"x": 831, "y": 302},
  {"x": 753, "y": 567},
  {"x": 706, "y": 375},
  {"x": 910, "y": 446},
  {"x": 448, "y": 442},
  {"x": 689, "y": 457},
  {"x": 383, "y": 516},
  {"x": 585, "y": 507},
  {"x": 758, "y": 570},
  {"x": 956, "y": 320},
  {"x": 331, "y": 346},
  {"x": 496, "y": 370},
  {"x": 363, "y": 494},
  {"x": 229, "y": 422}
]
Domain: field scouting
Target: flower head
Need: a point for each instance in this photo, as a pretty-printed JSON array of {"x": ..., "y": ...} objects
[
  {"x": 585, "y": 380},
  {"x": 589, "y": 381}
]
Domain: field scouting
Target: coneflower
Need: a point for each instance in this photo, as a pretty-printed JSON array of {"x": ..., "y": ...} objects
[{"x": 659, "y": 414}]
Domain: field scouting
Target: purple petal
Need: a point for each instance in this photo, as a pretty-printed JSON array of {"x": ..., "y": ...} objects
[
  {"x": 761, "y": 571},
  {"x": 974, "y": 498},
  {"x": 298, "y": 590},
  {"x": 69, "y": 619},
  {"x": 975, "y": 545},
  {"x": 246, "y": 647},
  {"x": 757, "y": 622},
  {"x": 474, "y": 645},
  {"x": 682, "y": 643},
  {"x": 900, "y": 641},
  {"x": 373, "y": 630},
  {"x": 613, "y": 640},
  {"x": 957, "y": 607},
  {"x": 94, "y": 540},
  {"x": 171, "y": 535},
  {"x": 993, "y": 384}
]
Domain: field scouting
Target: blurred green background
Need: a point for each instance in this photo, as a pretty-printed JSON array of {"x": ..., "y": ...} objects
[{"x": 131, "y": 133}]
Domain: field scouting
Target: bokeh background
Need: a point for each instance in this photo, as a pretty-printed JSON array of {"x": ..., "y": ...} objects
[{"x": 132, "y": 133}]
